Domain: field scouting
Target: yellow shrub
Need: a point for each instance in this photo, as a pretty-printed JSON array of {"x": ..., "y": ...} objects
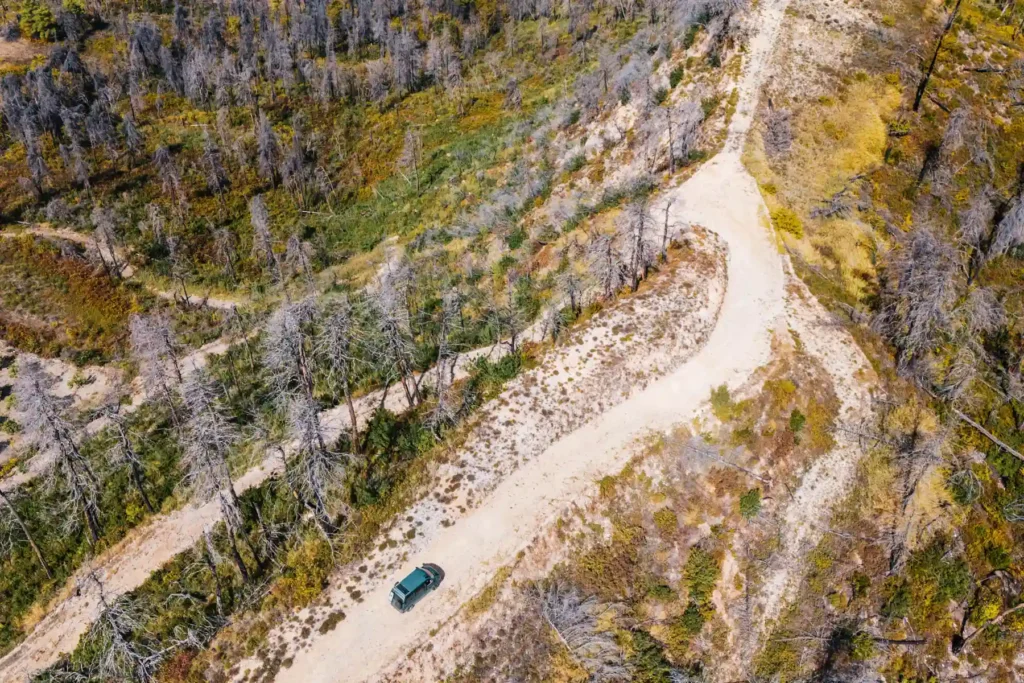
[{"x": 786, "y": 220}]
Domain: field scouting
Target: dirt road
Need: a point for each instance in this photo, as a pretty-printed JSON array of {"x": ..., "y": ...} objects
[{"x": 722, "y": 197}]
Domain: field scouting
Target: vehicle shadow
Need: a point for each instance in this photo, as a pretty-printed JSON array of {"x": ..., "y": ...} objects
[{"x": 440, "y": 573}]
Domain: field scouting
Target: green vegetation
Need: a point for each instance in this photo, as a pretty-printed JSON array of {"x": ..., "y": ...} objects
[{"x": 750, "y": 504}]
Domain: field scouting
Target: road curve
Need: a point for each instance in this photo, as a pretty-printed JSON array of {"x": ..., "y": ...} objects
[{"x": 722, "y": 197}]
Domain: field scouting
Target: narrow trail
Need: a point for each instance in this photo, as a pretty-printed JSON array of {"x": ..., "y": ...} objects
[
  {"x": 126, "y": 566},
  {"x": 723, "y": 198},
  {"x": 118, "y": 255}
]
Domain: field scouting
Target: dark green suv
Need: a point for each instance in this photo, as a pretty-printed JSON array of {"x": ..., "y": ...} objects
[{"x": 418, "y": 583}]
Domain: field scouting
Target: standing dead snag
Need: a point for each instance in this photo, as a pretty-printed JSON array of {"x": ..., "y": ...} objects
[
  {"x": 154, "y": 349},
  {"x": 288, "y": 347},
  {"x": 46, "y": 427},
  {"x": 123, "y": 454},
  {"x": 917, "y": 295},
  {"x": 576, "y": 622},
  {"x": 393, "y": 343},
  {"x": 923, "y": 85},
  {"x": 606, "y": 264},
  {"x": 119, "y": 639},
  {"x": 10, "y": 521},
  {"x": 208, "y": 438},
  {"x": 336, "y": 344},
  {"x": 316, "y": 471},
  {"x": 262, "y": 240},
  {"x": 412, "y": 152},
  {"x": 447, "y": 359},
  {"x": 635, "y": 231}
]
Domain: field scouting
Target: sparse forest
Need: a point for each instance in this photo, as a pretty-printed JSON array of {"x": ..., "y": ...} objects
[{"x": 342, "y": 200}]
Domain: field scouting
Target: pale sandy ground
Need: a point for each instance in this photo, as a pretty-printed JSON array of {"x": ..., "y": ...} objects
[
  {"x": 722, "y": 197},
  {"x": 127, "y": 565},
  {"x": 804, "y": 515},
  {"x": 106, "y": 383}
]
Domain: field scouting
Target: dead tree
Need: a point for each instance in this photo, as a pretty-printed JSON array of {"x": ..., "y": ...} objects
[
  {"x": 208, "y": 438},
  {"x": 263, "y": 240},
  {"x": 572, "y": 286},
  {"x": 409, "y": 160},
  {"x": 154, "y": 349},
  {"x": 122, "y": 453},
  {"x": 635, "y": 229},
  {"x": 577, "y": 623},
  {"x": 923, "y": 85},
  {"x": 288, "y": 347},
  {"x": 122, "y": 647},
  {"x": 606, "y": 265},
  {"x": 337, "y": 343},
  {"x": 447, "y": 360},
  {"x": 17, "y": 525},
  {"x": 315, "y": 471},
  {"x": 393, "y": 343},
  {"x": 47, "y": 428}
]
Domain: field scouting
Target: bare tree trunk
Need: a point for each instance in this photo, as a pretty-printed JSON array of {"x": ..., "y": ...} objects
[
  {"x": 353, "y": 424},
  {"x": 137, "y": 476},
  {"x": 230, "y": 527},
  {"x": 28, "y": 536},
  {"x": 935, "y": 56}
]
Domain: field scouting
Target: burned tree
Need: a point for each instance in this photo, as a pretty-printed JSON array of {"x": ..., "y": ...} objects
[
  {"x": 288, "y": 344},
  {"x": 577, "y": 621},
  {"x": 917, "y": 295},
  {"x": 122, "y": 453},
  {"x": 262, "y": 239},
  {"x": 123, "y": 650},
  {"x": 606, "y": 264},
  {"x": 46, "y": 426},
  {"x": 13, "y": 525},
  {"x": 268, "y": 150},
  {"x": 315, "y": 472},
  {"x": 208, "y": 438},
  {"x": 392, "y": 340},
  {"x": 450, "y": 321},
  {"x": 155, "y": 347},
  {"x": 337, "y": 343},
  {"x": 635, "y": 229}
]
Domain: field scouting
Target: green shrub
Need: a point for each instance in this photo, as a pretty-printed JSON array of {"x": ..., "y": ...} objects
[
  {"x": 661, "y": 593},
  {"x": 666, "y": 521},
  {"x": 691, "y": 36},
  {"x": 786, "y": 220},
  {"x": 692, "y": 619},
  {"x": 796, "y": 421},
  {"x": 860, "y": 584},
  {"x": 648, "y": 659},
  {"x": 700, "y": 575},
  {"x": 750, "y": 503},
  {"x": 964, "y": 486},
  {"x": 710, "y": 104},
  {"x": 37, "y": 21},
  {"x": 660, "y": 95},
  {"x": 676, "y": 77},
  {"x": 897, "y": 601},
  {"x": 862, "y": 647},
  {"x": 576, "y": 163},
  {"x": 722, "y": 404},
  {"x": 515, "y": 239}
]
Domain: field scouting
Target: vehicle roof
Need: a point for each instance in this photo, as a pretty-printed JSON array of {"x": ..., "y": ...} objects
[{"x": 416, "y": 578}]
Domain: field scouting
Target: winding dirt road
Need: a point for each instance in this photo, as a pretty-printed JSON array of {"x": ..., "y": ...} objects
[{"x": 722, "y": 197}]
